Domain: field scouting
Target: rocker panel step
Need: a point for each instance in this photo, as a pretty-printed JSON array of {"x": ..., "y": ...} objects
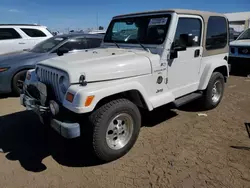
[{"x": 186, "y": 99}]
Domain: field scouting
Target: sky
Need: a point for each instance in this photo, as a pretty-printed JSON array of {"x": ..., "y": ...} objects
[{"x": 81, "y": 14}]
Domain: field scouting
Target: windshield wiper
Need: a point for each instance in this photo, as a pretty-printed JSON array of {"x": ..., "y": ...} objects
[
  {"x": 142, "y": 45},
  {"x": 116, "y": 44}
]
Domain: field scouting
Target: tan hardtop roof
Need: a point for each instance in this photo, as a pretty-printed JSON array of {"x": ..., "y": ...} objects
[{"x": 204, "y": 14}]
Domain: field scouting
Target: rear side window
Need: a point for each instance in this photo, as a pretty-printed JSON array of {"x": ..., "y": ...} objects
[
  {"x": 216, "y": 33},
  {"x": 33, "y": 32},
  {"x": 9, "y": 33}
]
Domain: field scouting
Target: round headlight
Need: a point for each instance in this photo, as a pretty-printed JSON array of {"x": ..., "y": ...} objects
[
  {"x": 63, "y": 82},
  {"x": 54, "y": 107}
]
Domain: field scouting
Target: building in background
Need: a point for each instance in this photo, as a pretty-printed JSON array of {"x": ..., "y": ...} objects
[{"x": 238, "y": 22}]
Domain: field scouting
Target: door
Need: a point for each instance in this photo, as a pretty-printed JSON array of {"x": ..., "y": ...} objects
[
  {"x": 10, "y": 40},
  {"x": 183, "y": 70}
]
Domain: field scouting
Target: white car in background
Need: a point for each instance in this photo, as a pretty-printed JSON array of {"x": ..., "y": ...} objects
[{"x": 21, "y": 37}]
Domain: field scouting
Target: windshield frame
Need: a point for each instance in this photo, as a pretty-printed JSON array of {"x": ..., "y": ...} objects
[
  {"x": 169, "y": 15},
  {"x": 239, "y": 37}
]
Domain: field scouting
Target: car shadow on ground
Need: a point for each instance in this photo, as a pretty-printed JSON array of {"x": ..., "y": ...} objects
[
  {"x": 24, "y": 138},
  {"x": 157, "y": 116},
  {"x": 241, "y": 148},
  {"x": 247, "y": 125},
  {"x": 194, "y": 106},
  {"x": 5, "y": 96}
]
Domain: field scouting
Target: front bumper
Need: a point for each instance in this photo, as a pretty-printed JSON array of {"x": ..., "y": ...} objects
[
  {"x": 65, "y": 129},
  {"x": 5, "y": 82}
]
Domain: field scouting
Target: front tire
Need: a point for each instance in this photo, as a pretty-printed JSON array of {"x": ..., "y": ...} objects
[
  {"x": 214, "y": 92},
  {"x": 20, "y": 76},
  {"x": 116, "y": 126}
]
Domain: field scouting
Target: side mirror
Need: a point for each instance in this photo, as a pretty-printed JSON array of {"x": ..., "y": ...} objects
[
  {"x": 62, "y": 51},
  {"x": 175, "y": 50}
]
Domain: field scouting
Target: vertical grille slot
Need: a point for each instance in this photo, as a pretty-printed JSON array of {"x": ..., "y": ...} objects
[
  {"x": 51, "y": 78},
  {"x": 57, "y": 86}
]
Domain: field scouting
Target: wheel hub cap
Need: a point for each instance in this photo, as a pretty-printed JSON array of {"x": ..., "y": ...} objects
[
  {"x": 119, "y": 131},
  {"x": 216, "y": 91}
]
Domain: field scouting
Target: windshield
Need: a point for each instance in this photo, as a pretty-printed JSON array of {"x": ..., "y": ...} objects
[
  {"x": 48, "y": 44},
  {"x": 145, "y": 29},
  {"x": 245, "y": 35}
]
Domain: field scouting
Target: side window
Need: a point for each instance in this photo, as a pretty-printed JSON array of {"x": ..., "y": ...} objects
[
  {"x": 9, "y": 33},
  {"x": 216, "y": 33},
  {"x": 82, "y": 43},
  {"x": 76, "y": 44},
  {"x": 94, "y": 43},
  {"x": 33, "y": 32},
  {"x": 188, "y": 31}
]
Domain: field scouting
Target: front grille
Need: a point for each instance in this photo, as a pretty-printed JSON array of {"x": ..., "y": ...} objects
[
  {"x": 244, "y": 51},
  {"x": 51, "y": 79}
]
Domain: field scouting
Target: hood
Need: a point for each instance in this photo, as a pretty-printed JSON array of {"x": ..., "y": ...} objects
[
  {"x": 18, "y": 57},
  {"x": 240, "y": 43},
  {"x": 102, "y": 64}
]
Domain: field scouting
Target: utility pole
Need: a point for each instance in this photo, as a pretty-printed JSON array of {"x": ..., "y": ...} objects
[{"x": 97, "y": 24}]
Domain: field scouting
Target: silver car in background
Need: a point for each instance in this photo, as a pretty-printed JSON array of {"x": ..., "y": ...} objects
[{"x": 13, "y": 67}]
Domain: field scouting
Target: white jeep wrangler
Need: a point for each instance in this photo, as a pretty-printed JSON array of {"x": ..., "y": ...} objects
[{"x": 147, "y": 60}]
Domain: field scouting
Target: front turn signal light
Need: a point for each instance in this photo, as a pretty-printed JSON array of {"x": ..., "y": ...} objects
[
  {"x": 89, "y": 100},
  {"x": 70, "y": 97}
]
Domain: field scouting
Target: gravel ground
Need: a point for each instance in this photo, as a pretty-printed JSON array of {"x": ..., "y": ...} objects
[{"x": 176, "y": 148}]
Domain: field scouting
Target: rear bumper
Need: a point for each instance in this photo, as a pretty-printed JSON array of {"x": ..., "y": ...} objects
[{"x": 64, "y": 128}]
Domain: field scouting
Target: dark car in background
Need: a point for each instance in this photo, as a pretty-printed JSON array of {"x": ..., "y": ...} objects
[{"x": 13, "y": 67}]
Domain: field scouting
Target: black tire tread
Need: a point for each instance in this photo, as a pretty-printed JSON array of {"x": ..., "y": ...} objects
[
  {"x": 15, "y": 90},
  {"x": 96, "y": 117},
  {"x": 208, "y": 105}
]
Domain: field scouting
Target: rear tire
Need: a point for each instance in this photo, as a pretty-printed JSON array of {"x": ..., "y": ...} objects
[
  {"x": 214, "y": 92},
  {"x": 116, "y": 126},
  {"x": 20, "y": 76}
]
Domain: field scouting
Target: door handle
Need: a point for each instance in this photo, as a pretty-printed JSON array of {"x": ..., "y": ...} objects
[
  {"x": 197, "y": 53},
  {"x": 21, "y": 43}
]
